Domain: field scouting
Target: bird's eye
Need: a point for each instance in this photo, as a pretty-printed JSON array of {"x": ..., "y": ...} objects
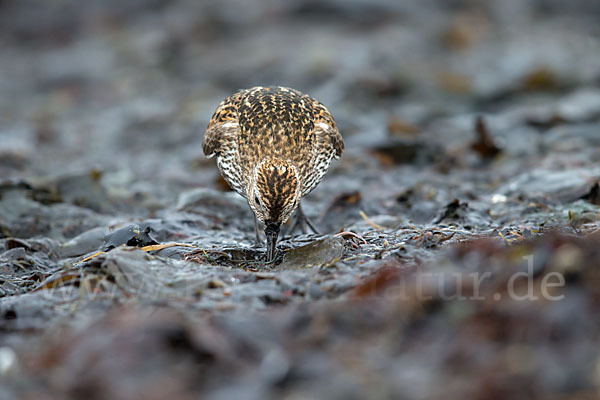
[{"x": 256, "y": 200}]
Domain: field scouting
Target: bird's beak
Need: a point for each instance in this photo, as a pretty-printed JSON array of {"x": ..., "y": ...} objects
[{"x": 272, "y": 232}]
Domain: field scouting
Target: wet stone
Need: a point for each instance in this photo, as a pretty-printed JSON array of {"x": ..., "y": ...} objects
[
  {"x": 318, "y": 253},
  {"x": 204, "y": 200},
  {"x": 132, "y": 235},
  {"x": 86, "y": 242}
]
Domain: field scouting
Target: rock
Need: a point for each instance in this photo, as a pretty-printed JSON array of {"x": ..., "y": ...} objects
[
  {"x": 318, "y": 253},
  {"x": 83, "y": 243},
  {"x": 130, "y": 235}
]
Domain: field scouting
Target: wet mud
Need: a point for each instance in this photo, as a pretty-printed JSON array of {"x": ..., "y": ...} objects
[{"x": 458, "y": 253}]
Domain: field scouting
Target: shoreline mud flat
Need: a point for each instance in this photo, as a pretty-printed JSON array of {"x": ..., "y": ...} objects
[{"x": 459, "y": 254}]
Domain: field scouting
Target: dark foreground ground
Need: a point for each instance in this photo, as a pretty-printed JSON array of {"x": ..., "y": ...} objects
[{"x": 471, "y": 174}]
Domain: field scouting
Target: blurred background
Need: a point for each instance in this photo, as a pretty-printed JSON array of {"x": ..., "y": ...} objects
[
  {"x": 463, "y": 120},
  {"x": 127, "y": 87}
]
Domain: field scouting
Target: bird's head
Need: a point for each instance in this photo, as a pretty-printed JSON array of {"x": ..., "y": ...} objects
[{"x": 273, "y": 194}]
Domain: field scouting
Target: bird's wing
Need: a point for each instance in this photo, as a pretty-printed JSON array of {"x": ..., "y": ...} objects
[
  {"x": 223, "y": 127},
  {"x": 326, "y": 130}
]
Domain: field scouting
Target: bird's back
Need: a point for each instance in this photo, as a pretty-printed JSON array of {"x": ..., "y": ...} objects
[
  {"x": 276, "y": 124},
  {"x": 261, "y": 123}
]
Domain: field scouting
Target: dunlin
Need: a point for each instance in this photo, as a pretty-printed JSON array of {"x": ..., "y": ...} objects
[{"x": 273, "y": 146}]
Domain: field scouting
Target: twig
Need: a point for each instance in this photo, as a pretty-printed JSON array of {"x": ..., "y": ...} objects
[
  {"x": 350, "y": 233},
  {"x": 370, "y": 222},
  {"x": 154, "y": 247}
]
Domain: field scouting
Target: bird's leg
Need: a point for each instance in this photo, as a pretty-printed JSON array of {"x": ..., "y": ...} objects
[
  {"x": 256, "y": 233},
  {"x": 310, "y": 224},
  {"x": 300, "y": 219}
]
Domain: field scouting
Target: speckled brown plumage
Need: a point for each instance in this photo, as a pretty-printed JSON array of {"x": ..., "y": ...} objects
[{"x": 273, "y": 146}]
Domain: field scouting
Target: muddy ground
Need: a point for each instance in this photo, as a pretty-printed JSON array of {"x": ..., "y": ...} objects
[{"x": 459, "y": 250}]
